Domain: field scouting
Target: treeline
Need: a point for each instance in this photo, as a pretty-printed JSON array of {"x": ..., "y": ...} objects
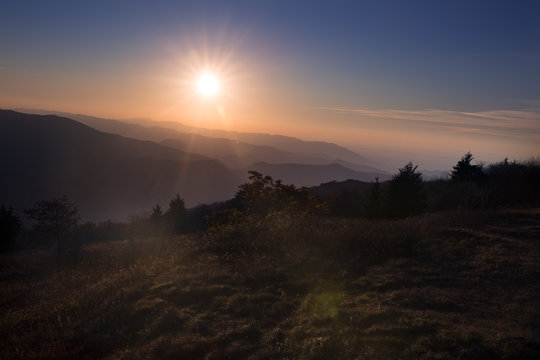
[
  {"x": 468, "y": 186},
  {"x": 266, "y": 200}
]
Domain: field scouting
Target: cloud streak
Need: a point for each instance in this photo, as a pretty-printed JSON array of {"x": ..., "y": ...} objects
[{"x": 506, "y": 123}]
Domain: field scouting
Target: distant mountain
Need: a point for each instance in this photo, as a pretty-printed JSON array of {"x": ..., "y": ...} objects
[
  {"x": 234, "y": 149},
  {"x": 233, "y": 154},
  {"x": 434, "y": 174},
  {"x": 312, "y": 175},
  {"x": 318, "y": 150},
  {"x": 363, "y": 168},
  {"x": 106, "y": 175}
]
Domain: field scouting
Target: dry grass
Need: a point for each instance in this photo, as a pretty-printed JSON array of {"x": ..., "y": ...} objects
[{"x": 446, "y": 286}]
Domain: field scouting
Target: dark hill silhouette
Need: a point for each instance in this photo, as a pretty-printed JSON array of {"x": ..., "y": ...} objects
[
  {"x": 312, "y": 175},
  {"x": 104, "y": 174},
  {"x": 234, "y": 149},
  {"x": 336, "y": 187}
]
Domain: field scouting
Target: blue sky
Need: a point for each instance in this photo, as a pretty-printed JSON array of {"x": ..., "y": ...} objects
[{"x": 322, "y": 63}]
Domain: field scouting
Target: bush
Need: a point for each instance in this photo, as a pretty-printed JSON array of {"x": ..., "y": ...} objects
[
  {"x": 373, "y": 206},
  {"x": 513, "y": 184},
  {"x": 10, "y": 227},
  {"x": 262, "y": 214}
]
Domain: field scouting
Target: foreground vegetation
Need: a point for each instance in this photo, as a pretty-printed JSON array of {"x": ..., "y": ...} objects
[
  {"x": 451, "y": 285},
  {"x": 404, "y": 269}
]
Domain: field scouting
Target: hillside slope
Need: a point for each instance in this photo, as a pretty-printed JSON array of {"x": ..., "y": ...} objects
[
  {"x": 104, "y": 174},
  {"x": 469, "y": 289}
]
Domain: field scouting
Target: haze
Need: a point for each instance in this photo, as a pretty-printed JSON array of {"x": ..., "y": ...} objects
[{"x": 395, "y": 81}]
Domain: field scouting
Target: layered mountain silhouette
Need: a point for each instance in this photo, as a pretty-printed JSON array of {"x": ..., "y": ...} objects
[
  {"x": 312, "y": 152},
  {"x": 106, "y": 175},
  {"x": 234, "y": 149},
  {"x": 112, "y": 168}
]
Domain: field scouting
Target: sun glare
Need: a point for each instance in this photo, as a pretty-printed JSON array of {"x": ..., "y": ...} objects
[{"x": 208, "y": 85}]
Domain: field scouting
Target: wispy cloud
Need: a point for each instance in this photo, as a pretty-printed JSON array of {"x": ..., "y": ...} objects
[{"x": 509, "y": 123}]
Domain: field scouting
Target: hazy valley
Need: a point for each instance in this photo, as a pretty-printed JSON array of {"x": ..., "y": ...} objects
[{"x": 112, "y": 169}]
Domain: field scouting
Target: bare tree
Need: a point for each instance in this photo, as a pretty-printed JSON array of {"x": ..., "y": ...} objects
[{"x": 56, "y": 217}]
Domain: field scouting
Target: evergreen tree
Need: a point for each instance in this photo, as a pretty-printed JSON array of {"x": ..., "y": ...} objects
[
  {"x": 464, "y": 171},
  {"x": 177, "y": 215},
  {"x": 157, "y": 220},
  {"x": 157, "y": 214},
  {"x": 406, "y": 192}
]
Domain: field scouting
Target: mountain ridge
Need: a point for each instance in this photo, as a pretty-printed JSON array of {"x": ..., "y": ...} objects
[
  {"x": 107, "y": 174},
  {"x": 259, "y": 147}
]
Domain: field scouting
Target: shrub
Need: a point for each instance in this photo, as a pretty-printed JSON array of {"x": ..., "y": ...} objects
[
  {"x": 260, "y": 209},
  {"x": 513, "y": 183},
  {"x": 10, "y": 226},
  {"x": 373, "y": 206}
]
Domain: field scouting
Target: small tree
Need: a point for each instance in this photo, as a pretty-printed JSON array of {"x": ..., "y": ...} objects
[
  {"x": 373, "y": 206},
  {"x": 255, "y": 196},
  {"x": 157, "y": 214},
  {"x": 55, "y": 217},
  {"x": 264, "y": 195},
  {"x": 157, "y": 220},
  {"x": 406, "y": 192},
  {"x": 177, "y": 215},
  {"x": 464, "y": 171},
  {"x": 10, "y": 226}
]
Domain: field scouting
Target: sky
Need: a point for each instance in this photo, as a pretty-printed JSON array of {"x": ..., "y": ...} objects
[{"x": 425, "y": 80}]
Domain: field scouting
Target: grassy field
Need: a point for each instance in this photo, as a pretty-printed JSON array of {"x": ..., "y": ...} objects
[{"x": 457, "y": 285}]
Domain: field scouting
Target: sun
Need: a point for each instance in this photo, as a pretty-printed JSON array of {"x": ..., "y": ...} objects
[{"x": 208, "y": 85}]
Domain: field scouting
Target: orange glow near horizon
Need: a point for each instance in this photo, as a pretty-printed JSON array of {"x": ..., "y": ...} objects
[{"x": 220, "y": 87}]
